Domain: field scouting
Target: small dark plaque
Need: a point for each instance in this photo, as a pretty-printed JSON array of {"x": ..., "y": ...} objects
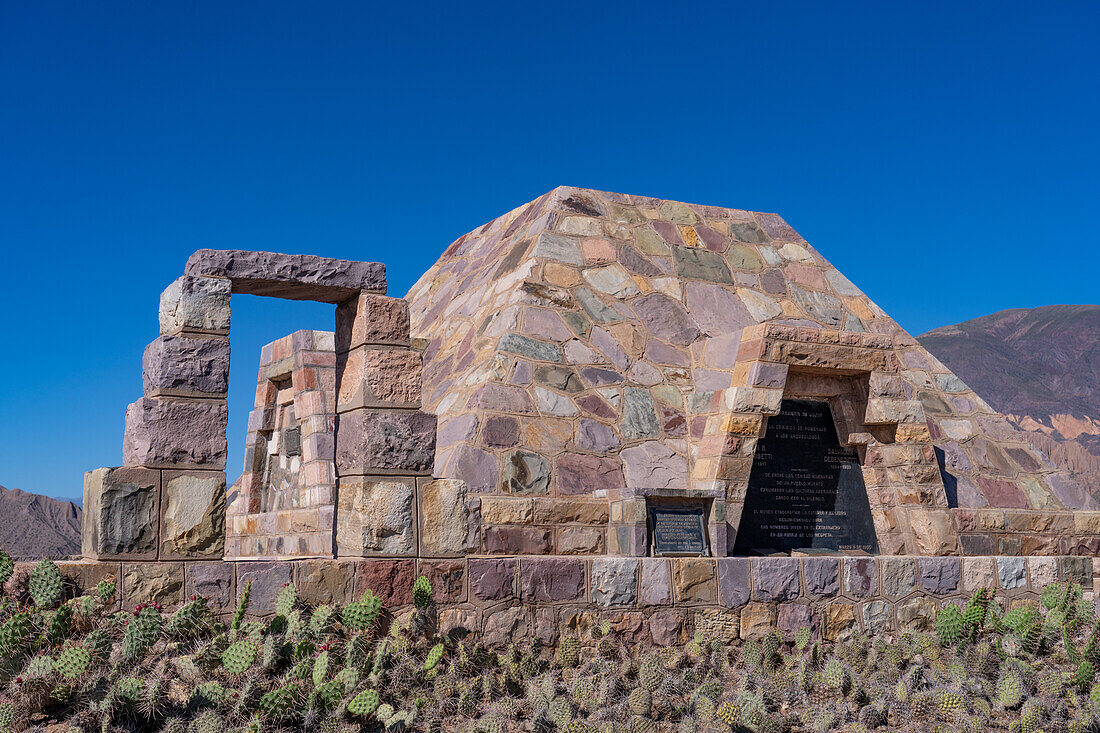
[
  {"x": 805, "y": 490},
  {"x": 678, "y": 530},
  {"x": 292, "y": 441}
]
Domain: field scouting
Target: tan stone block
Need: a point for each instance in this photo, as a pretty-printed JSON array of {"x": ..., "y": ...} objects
[
  {"x": 858, "y": 306},
  {"x": 918, "y": 613},
  {"x": 991, "y": 520},
  {"x": 754, "y": 399},
  {"x": 548, "y": 435},
  {"x": 630, "y": 338},
  {"x": 1043, "y": 572},
  {"x": 741, "y": 425},
  {"x": 934, "y": 531},
  {"x": 895, "y": 543},
  {"x": 1035, "y": 521},
  {"x": 152, "y": 582},
  {"x": 757, "y": 619},
  {"x": 695, "y": 580},
  {"x": 325, "y": 581},
  {"x": 192, "y": 515},
  {"x": 840, "y": 621},
  {"x": 560, "y": 275},
  {"x": 1086, "y": 522},
  {"x": 828, "y": 356},
  {"x": 573, "y": 511},
  {"x": 717, "y": 624},
  {"x": 580, "y": 541},
  {"x": 740, "y": 376},
  {"x": 372, "y": 319},
  {"x": 912, "y": 433},
  {"x": 371, "y": 376},
  {"x": 979, "y": 572},
  {"x": 504, "y": 510},
  {"x": 375, "y": 516},
  {"x": 444, "y": 518}
]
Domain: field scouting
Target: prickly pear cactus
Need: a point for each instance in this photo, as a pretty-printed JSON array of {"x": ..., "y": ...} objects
[
  {"x": 73, "y": 661},
  {"x": 105, "y": 591},
  {"x": 802, "y": 638},
  {"x": 240, "y": 655},
  {"x": 422, "y": 593},
  {"x": 949, "y": 625},
  {"x": 569, "y": 650},
  {"x": 45, "y": 585},
  {"x": 7, "y": 567},
  {"x": 360, "y": 615},
  {"x": 142, "y": 631},
  {"x": 280, "y": 703},
  {"x": 364, "y": 704},
  {"x": 651, "y": 672},
  {"x": 288, "y": 597},
  {"x": 434, "y": 655}
]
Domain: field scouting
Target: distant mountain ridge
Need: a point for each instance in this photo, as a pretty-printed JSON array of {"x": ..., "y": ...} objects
[
  {"x": 1041, "y": 367},
  {"x": 36, "y": 526}
]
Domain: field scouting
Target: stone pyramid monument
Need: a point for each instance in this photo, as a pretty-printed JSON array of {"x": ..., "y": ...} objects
[
  {"x": 591, "y": 352},
  {"x": 676, "y": 415}
]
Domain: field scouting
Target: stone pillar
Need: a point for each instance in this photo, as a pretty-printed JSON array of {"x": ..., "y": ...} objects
[
  {"x": 385, "y": 446},
  {"x": 168, "y": 499},
  {"x": 283, "y": 504}
]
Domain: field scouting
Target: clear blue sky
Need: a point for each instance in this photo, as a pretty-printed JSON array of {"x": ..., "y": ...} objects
[{"x": 944, "y": 156}]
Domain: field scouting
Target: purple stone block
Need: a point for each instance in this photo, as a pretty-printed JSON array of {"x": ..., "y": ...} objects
[
  {"x": 775, "y": 578},
  {"x": 267, "y": 578},
  {"x": 655, "y": 583},
  {"x": 822, "y": 576},
  {"x": 213, "y": 579},
  {"x": 860, "y": 576},
  {"x": 733, "y": 581},
  {"x": 175, "y": 433},
  {"x": 492, "y": 580},
  {"x": 940, "y": 575},
  {"x": 792, "y": 617},
  {"x": 187, "y": 366},
  {"x": 763, "y": 374},
  {"x": 551, "y": 579},
  {"x": 294, "y": 277},
  {"x": 393, "y": 440}
]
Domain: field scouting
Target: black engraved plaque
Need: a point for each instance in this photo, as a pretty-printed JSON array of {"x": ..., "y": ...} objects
[
  {"x": 678, "y": 530},
  {"x": 805, "y": 490},
  {"x": 292, "y": 441}
]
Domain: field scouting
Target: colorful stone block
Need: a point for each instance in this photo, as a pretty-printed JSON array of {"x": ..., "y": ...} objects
[
  {"x": 121, "y": 507},
  {"x": 175, "y": 433},
  {"x": 375, "y": 516},
  {"x": 192, "y": 514},
  {"x": 195, "y": 305},
  {"x": 184, "y": 365}
]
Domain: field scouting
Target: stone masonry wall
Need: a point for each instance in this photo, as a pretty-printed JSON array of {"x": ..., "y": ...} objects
[{"x": 649, "y": 599}]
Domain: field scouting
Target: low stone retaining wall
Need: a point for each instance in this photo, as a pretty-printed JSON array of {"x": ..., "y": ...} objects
[{"x": 658, "y": 600}]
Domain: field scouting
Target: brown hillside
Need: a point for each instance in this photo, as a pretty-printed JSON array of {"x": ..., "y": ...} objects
[
  {"x": 37, "y": 526},
  {"x": 1041, "y": 367}
]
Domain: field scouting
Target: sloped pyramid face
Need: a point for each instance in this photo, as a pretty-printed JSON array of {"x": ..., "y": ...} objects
[{"x": 589, "y": 345}]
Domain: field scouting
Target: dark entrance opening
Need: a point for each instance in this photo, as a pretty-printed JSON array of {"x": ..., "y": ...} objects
[{"x": 806, "y": 491}]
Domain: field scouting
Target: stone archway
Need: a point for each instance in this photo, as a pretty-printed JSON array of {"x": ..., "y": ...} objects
[
  {"x": 168, "y": 500},
  {"x": 902, "y": 479}
]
